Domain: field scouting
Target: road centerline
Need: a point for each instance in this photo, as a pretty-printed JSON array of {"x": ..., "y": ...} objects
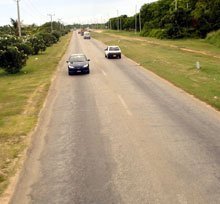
[
  {"x": 104, "y": 73},
  {"x": 124, "y": 105}
]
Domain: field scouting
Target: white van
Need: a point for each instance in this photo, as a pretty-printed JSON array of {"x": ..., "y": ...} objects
[{"x": 87, "y": 35}]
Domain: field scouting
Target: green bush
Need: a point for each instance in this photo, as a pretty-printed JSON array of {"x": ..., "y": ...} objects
[
  {"x": 8, "y": 40},
  {"x": 25, "y": 47},
  {"x": 48, "y": 38},
  {"x": 13, "y": 53},
  {"x": 57, "y": 35},
  {"x": 12, "y": 60},
  {"x": 155, "y": 33},
  {"x": 214, "y": 38},
  {"x": 158, "y": 33},
  {"x": 37, "y": 44}
]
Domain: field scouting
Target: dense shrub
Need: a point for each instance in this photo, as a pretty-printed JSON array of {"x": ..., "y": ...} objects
[
  {"x": 156, "y": 33},
  {"x": 48, "y": 38},
  {"x": 191, "y": 18},
  {"x": 57, "y": 35},
  {"x": 214, "y": 38},
  {"x": 12, "y": 60},
  {"x": 25, "y": 47},
  {"x": 14, "y": 51},
  {"x": 8, "y": 40},
  {"x": 37, "y": 44}
]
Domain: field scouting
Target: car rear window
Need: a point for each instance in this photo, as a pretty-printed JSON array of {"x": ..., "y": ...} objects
[
  {"x": 114, "y": 48},
  {"x": 77, "y": 58}
]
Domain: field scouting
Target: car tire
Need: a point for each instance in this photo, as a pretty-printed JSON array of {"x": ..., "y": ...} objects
[
  {"x": 88, "y": 71},
  {"x": 119, "y": 56}
]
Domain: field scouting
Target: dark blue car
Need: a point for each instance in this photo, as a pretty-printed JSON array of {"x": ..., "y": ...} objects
[{"x": 78, "y": 63}]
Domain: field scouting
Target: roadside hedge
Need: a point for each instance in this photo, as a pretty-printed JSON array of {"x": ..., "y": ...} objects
[
  {"x": 12, "y": 60},
  {"x": 14, "y": 51},
  {"x": 214, "y": 38},
  {"x": 38, "y": 44}
]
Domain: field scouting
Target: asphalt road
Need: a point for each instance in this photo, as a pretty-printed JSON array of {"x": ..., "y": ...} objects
[{"x": 120, "y": 135}]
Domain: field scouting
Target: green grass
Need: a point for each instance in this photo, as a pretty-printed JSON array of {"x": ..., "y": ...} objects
[
  {"x": 194, "y": 44},
  {"x": 21, "y": 98},
  {"x": 167, "y": 60}
]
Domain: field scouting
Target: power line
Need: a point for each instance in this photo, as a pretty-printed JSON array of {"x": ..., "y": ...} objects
[
  {"x": 36, "y": 7},
  {"x": 36, "y": 11},
  {"x": 28, "y": 12},
  {"x": 33, "y": 9}
]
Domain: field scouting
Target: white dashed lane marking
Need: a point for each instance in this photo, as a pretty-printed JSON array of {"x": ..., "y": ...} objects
[{"x": 124, "y": 105}]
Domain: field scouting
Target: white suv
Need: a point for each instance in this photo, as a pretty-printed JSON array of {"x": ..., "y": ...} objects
[{"x": 113, "y": 51}]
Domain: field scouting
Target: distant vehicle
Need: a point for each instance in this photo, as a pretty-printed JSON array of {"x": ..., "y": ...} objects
[
  {"x": 113, "y": 52},
  {"x": 78, "y": 63},
  {"x": 87, "y": 35}
]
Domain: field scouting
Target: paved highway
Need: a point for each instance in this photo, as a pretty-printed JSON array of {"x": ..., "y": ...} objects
[{"x": 120, "y": 135}]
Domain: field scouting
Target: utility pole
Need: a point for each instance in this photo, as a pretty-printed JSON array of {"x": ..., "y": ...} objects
[
  {"x": 140, "y": 19},
  {"x": 135, "y": 19},
  {"x": 59, "y": 20},
  {"x": 51, "y": 21},
  {"x": 118, "y": 21},
  {"x": 19, "y": 21}
]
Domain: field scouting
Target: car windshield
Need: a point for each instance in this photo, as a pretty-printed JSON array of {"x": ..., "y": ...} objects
[
  {"x": 77, "y": 58},
  {"x": 114, "y": 48}
]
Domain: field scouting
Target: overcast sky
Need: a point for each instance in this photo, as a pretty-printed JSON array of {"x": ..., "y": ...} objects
[{"x": 70, "y": 11}]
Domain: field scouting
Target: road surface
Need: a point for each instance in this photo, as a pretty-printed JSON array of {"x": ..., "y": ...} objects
[{"x": 120, "y": 135}]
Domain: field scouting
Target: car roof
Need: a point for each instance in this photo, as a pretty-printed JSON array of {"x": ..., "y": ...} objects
[{"x": 77, "y": 54}]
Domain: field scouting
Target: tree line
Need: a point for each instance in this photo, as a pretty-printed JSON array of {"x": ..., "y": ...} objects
[
  {"x": 14, "y": 50},
  {"x": 172, "y": 19}
]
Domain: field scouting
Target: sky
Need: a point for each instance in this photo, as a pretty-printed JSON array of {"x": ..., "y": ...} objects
[{"x": 67, "y": 11}]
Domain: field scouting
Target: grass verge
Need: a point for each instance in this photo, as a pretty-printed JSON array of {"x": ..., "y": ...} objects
[
  {"x": 21, "y": 98},
  {"x": 166, "y": 59}
]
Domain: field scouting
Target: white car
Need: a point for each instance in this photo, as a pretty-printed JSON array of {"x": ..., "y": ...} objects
[{"x": 113, "y": 52}]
